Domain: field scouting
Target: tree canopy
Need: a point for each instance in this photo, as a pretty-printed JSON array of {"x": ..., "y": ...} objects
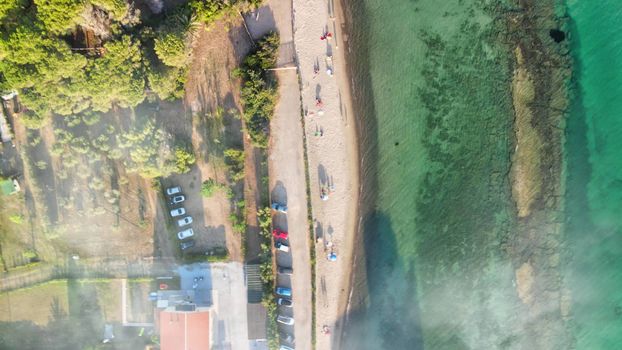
[{"x": 38, "y": 57}]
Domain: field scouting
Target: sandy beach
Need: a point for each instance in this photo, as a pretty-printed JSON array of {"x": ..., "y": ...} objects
[{"x": 332, "y": 153}]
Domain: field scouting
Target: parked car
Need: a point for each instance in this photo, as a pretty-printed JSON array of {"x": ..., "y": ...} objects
[
  {"x": 285, "y": 320},
  {"x": 285, "y": 270},
  {"x": 287, "y": 292},
  {"x": 287, "y": 338},
  {"x": 282, "y": 246},
  {"x": 185, "y": 221},
  {"x": 279, "y": 207},
  {"x": 187, "y": 244},
  {"x": 185, "y": 233},
  {"x": 178, "y": 212},
  {"x": 278, "y": 234},
  {"x": 284, "y": 302},
  {"x": 285, "y": 347},
  {"x": 173, "y": 190},
  {"x": 177, "y": 199}
]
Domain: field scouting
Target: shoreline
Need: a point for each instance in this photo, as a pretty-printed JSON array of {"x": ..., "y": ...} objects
[
  {"x": 355, "y": 286},
  {"x": 333, "y": 158},
  {"x": 354, "y": 226}
]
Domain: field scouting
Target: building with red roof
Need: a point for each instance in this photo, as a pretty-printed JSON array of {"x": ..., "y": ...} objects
[{"x": 184, "y": 329}]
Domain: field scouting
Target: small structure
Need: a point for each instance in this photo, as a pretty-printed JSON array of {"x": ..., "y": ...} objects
[{"x": 5, "y": 130}]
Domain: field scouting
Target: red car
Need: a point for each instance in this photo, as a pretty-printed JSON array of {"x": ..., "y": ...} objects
[{"x": 278, "y": 234}]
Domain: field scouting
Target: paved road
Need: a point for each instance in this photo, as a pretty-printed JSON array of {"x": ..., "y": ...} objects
[
  {"x": 287, "y": 181},
  {"x": 287, "y": 171}
]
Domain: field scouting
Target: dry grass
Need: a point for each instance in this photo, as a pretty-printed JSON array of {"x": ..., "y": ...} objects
[
  {"x": 34, "y": 304},
  {"x": 526, "y": 161}
]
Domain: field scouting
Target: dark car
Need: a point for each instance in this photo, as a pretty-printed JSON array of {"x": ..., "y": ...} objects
[
  {"x": 285, "y": 270},
  {"x": 187, "y": 244},
  {"x": 284, "y": 302},
  {"x": 287, "y": 338}
]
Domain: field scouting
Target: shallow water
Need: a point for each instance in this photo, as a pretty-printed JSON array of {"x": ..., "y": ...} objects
[
  {"x": 433, "y": 79},
  {"x": 594, "y": 175},
  {"x": 437, "y": 135}
]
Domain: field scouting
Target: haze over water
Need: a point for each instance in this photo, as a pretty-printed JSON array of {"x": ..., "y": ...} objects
[{"x": 433, "y": 78}]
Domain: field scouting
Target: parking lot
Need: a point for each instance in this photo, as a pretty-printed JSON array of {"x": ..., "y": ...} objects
[{"x": 208, "y": 214}]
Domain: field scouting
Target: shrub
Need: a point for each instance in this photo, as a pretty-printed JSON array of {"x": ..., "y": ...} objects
[
  {"x": 210, "y": 186},
  {"x": 184, "y": 159},
  {"x": 234, "y": 159},
  {"x": 258, "y": 91},
  {"x": 17, "y": 218}
]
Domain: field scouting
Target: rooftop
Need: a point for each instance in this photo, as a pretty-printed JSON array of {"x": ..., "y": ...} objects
[{"x": 181, "y": 330}]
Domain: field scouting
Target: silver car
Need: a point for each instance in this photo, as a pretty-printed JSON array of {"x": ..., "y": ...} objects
[
  {"x": 185, "y": 221},
  {"x": 178, "y": 212},
  {"x": 185, "y": 234},
  {"x": 285, "y": 320},
  {"x": 177, "y": 199},
  {"x": 173, "y": 190}
]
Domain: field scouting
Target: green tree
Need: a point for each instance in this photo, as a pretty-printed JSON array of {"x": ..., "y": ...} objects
[
  {"x": 167, "y": 82},
  {"x": 8, "y": 8},
  {"x": 234, "y": 159},
  {"x": 208, "y": 11},
  {"x": 59, "y": 16},
  {"x": 184, "y": 159},
  {"x": 116, "y": 77},
  {"x": 258, "y": 89},
  {"x": 171, "y": 38}
]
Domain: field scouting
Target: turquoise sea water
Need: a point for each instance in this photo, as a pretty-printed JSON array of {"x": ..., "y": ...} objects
[
  {"x": 432, "y": 78},
  {"x": 594, "y": 175}
]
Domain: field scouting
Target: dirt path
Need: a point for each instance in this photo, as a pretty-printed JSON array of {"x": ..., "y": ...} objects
[{"x": 212, "y": 97}]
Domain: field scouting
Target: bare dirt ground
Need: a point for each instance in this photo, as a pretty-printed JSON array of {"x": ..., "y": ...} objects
[
  {"x": 212, "y": 98},
  {"x": 63, "y": 215}
]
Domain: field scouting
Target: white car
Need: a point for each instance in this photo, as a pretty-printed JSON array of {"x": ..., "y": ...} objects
[
  {"x": 185, "y": 234},
  {"x": 185, "y": 221},
  {"x": 173, "y": 190},
  {"x": 285, "y": 320},
  {"x": 178, "y": 212}
]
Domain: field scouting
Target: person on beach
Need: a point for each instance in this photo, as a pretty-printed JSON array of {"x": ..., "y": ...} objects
[{"x": 318, "y": 103}]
